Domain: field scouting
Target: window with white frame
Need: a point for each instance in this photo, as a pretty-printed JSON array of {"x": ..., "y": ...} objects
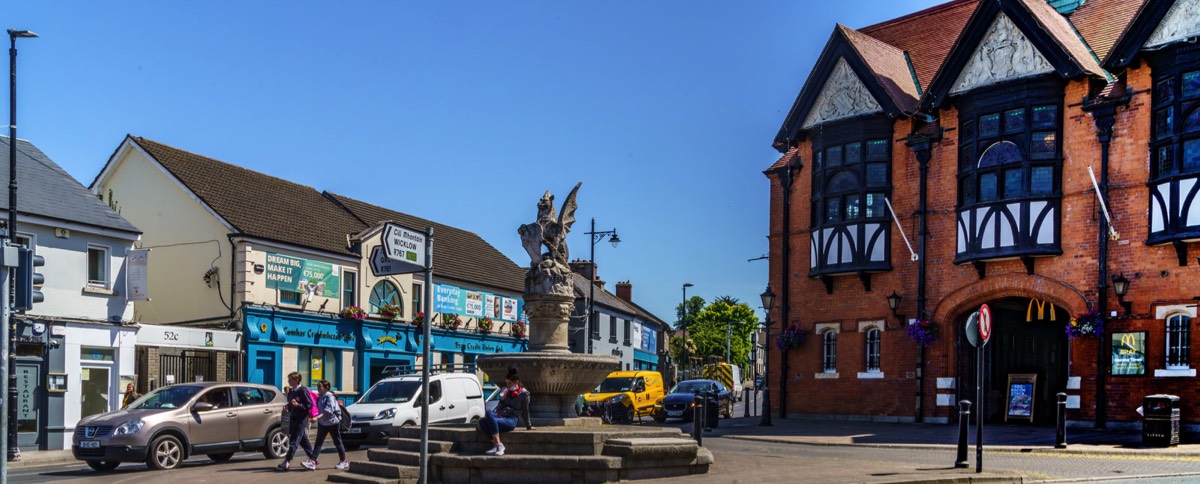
[
  {"x": 1178, "y": 335},
  {"x": 97, "y": 266},
  {"x": 349, "y": 288},
  {"x": 874, "y": 336},
  {"x": 829, "y": 352}
]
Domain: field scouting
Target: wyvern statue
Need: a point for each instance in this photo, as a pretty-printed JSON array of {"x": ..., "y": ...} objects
[{"x": 548, "y": 271}]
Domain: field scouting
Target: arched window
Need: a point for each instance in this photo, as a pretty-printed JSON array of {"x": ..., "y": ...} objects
[
  {"x": 873, "y": 348},
  {"x": 829, "y": 352},
  {"x": 1178, "y": 336},
  {"x": 1009, "y": 151},
  {"x": 384, "y": 292},
  {"x": 850, "y": 179}
]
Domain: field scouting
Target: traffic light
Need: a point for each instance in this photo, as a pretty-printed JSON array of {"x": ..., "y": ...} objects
[{"x": 28, "y": 281}]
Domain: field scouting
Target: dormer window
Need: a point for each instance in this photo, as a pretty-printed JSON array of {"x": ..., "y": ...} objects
[
  {"x": 1175, "y": 147},
  {"x": 1009, "y": 167},
  {"x": 851, "y": 178}
]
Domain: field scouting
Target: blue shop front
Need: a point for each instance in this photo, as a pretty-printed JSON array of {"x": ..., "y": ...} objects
[
  {"x": 645, "y": 351},
  {"x": 352, "y": 355}
]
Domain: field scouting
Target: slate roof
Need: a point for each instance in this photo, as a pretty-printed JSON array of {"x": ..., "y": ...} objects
[
  {"x": 470, "y": 258},
  {"x": 603, "y": 297},
  {"x": 259, "y": 205},
  {"x": 46, "y": 190}
]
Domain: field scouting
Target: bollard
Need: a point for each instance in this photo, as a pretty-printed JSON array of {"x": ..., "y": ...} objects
[
  {"x": 746, "y": 401},
  {"x": 707, "y": 397},
  {"x": 1060, "y": 434},
  {"x": 964, "y": 421},
  {"x": 697, "y": 419}
]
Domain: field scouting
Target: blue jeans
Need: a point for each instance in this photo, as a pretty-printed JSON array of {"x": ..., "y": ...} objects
[{"x": 492, "y": 424}]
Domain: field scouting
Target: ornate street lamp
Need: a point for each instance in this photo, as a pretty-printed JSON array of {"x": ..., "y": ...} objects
[
  {"x": 1121, "y": 288},
  {"x": 894, "y": 303},
  {"x": 768, "y": 301},
  {"x": 596, "y": 237}
]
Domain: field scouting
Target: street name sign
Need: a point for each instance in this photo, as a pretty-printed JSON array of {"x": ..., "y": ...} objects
[{"x": 405, "y": 247}]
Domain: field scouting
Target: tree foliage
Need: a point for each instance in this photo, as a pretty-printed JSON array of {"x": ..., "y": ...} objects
[
  {"x": 695, "y": 304},
  {"x": 707, "y": 330}
]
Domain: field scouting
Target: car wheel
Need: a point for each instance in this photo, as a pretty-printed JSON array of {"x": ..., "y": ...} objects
[
  {"x": 277, "y": 444},
  {"x": 165, "y": 453},
  {"x": 729, "y": 409},
  {"x": 221, "y": 457},
  {"x": 352, "y": 446},
  {"x": 102, "y": 466}
]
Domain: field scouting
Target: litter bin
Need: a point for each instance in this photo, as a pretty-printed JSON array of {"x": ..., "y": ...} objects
[
  {"x": 1160, "y": 420},
  {"x": 713, "y": 407}
]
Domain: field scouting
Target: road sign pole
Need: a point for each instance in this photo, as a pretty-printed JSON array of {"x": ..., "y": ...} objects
[
  {"x": 979, "y": 407},
  {"x": 427, "y": 324}
]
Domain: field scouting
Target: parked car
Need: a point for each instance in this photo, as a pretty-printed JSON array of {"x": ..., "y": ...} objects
[
  {"x": 174, "y": 422},
  {"x": 637, "y": 390},
  {"x": 681, "y": 401},
  {"x": 392, "y": 403}
]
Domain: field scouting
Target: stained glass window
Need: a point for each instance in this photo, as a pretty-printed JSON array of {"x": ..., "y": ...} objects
[
  {"x": 842, "y": 182},
  {"x": 1000, "y": 153},
  {"x": 853, "y": 204},
  {"x": 1191, "y": 154},
  {"x": 1045, "y": 117},
  {"x": 1014, "y": 182},
  {"x": 1043, "y": 145},
  {"x": 1041, "y": 180},
  {"x": 877, "y": 174},
  {"x": 1164, "y": 122},
  {"x": 833, "y": 156},
  {"x": 1014, "y": 121},
  {"x": 877, "y": 150},
  {"x": 1191, "y": 84},
  {"x": 989, "y": 125},
  {"x": 987, "y": 187},
  {"x": 875, "y": 205},
  {"x": 853, "y": 153},
  {"x": 1163, "y": 91}
]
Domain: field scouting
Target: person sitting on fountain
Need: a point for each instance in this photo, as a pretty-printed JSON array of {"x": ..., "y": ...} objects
[{"x": 512, "y": 409}]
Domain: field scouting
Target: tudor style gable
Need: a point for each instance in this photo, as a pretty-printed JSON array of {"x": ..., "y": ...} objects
[
  {"x": 1004, "y": 54},
  {"x": 842, "y": 96},
  {"x": 1181, "y": 22}
]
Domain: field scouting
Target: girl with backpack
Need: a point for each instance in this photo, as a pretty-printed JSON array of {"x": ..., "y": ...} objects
[{"x": 329, "y": 423}]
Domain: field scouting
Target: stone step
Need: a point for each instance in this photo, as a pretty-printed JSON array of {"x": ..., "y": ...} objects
[
  {"x": 398, "y": 457},
  {"x": 350, "y": 478},
  {"x": 414, "y": 445},
  {"x": 468, "y": 439},
  {"x": 384, "y": 470}
]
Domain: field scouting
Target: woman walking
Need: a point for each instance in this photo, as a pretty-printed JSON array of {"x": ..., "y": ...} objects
[
  {"x": 298, "y": 409},
  {"x": 329, "y": 423},
  {"x": 512, "y": 410}
]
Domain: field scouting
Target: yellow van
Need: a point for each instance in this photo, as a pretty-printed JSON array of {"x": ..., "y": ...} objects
[{"x": 639, "y": 390}]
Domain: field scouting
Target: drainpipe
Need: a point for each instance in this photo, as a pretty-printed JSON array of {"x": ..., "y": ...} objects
[
  {"x": 785, "y": 180},
  {"x": 1104, "y": 114},
  {"x": 922, "y": 146}
]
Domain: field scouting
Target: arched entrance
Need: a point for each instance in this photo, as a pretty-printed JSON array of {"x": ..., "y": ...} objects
[{"x": 1023, "y": 342}]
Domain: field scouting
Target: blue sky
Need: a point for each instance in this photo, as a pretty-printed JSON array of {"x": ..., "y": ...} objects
[{"x": 461, "y": 112}]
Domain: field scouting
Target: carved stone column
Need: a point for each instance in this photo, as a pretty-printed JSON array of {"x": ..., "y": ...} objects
[{"x": 547, "y": 312}]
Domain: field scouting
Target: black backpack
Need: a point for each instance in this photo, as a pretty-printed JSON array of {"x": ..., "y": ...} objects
[{"x": 345, "y": 423}]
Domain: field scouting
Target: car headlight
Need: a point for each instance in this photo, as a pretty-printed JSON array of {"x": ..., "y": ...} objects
[
  {"x": 130, "y": 427},
  {"x": 386, "y": 414}
]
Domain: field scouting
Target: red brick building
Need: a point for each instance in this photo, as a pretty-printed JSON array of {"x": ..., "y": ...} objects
[{"x": 948, "y": 157}]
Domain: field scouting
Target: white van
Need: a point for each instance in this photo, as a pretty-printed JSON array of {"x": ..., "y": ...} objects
[
  {"x": 737, "y": 383},
  {"x": 393, "y": 403}
]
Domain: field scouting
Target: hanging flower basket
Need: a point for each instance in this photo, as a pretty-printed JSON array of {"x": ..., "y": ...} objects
[
  {"x": 390, "y": 311},
  {"x": 419, "y": 322},
  {"x": 354, "y": 312},
  {"x": 485, "y": 325},
  {"x": 791, "y": 338},
  {"x": 451, "y": 322},
  {"x": 923, "y": 332},
  {"x": 1087, "y": 324},
  {"x": 518, "y": 330}
]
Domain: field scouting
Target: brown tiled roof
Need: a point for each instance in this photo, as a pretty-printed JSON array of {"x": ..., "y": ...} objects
[
  {"x": 889, "y": 66},
  {"x": 259, "y": 205},
  {"x": 927, "y": 35},
  {"x": 1101, "y": 22},
  {"x": 1067, "y": 37},
  {"x": 784, "y": 160},
  {"x": 458, "y": 254}
]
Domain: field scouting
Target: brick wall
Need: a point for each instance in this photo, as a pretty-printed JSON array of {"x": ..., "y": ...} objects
[{"x": 1069, "y": 280}]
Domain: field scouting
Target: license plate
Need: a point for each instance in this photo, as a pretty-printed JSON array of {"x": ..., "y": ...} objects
[
  {"x": 89, "y": 444},
  {"x": 675, "y": 413},
  {"x": 354, "y": 430}
]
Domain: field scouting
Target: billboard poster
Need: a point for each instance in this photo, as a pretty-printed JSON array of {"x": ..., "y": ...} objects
[
  {"x": 136, "y": 287},
  {"x": 287, "y": 273},
  {"x": 637, "y": 335},
  {"x": 649, "y": 341},
  {"x": 1129, "y": 353},
  {"x": 456, "y": 300}
]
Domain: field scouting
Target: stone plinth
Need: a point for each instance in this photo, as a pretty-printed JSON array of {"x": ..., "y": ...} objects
[{"x": 548, "y": 315}]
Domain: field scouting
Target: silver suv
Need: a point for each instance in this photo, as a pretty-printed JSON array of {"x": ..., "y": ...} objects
[{"x": 170, "y": 424}]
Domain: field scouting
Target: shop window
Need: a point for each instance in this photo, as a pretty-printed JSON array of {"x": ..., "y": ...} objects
[
  {"x": 384, "y": 292},
  {"x": 873, "y": 347},
  {"x": 316, "y": 364},
  {"x": 97, "y": 266},
  {"x": 349, "y": 289},
  {"x": 1175, "y": 141},
  {"x": 829, "y": 352},
  {"x": 1178, "y": 337},
  {"x": 96, "y": 384},
  {"x": 289, "y": 297}
]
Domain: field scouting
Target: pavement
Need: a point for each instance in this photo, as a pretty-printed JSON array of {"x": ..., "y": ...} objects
[{"x": 998, "y": 438}]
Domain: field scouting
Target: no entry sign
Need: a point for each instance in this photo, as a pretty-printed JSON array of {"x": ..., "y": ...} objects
[{"x": 985, "y": 323}]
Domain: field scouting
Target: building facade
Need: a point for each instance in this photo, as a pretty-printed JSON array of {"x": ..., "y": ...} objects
[
  {"x": 275, "y": 266},
  {"x": 75, "y": 350},
  {"x": 1034, "y": 157},
  {"x": 619, "y": 328}
]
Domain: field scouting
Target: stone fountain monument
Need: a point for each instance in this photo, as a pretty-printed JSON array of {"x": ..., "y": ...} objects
[{"x": 553, "y": 375}]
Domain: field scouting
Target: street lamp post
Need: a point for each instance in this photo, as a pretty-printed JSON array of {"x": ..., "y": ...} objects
[
  {"x": 596, "y": 237},
  {"x": 685, "y": 324},
  {"x": 768, "y": 300},
  {"x": 8, "y": 424}
]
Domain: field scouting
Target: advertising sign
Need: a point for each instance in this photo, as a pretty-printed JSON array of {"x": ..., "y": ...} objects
[
  {"x": 649, "y": 341},
  {"x": 136, "y": 287},
  {"x": 471, "y": 303},
  {"x": 1020, "y": 396},
  {"x": 287, "y": 273},
  {"x": 1129, "y": 353}
]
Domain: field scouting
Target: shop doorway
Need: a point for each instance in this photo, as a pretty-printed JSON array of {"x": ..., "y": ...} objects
[
  {"x": 95, "y": 383},
  {"x": 30, "y": 369},
  {"x": 1036, "y": 346}
]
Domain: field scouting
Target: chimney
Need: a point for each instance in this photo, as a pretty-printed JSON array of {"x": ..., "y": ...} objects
[
  {"x": 625, "y": 291},
  {"x": 584, "y": 268}
]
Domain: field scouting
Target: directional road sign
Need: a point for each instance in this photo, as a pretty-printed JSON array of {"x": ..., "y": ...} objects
[
  {"x": 382, "y": 266},
  {"x": 405, "y": 247}
]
